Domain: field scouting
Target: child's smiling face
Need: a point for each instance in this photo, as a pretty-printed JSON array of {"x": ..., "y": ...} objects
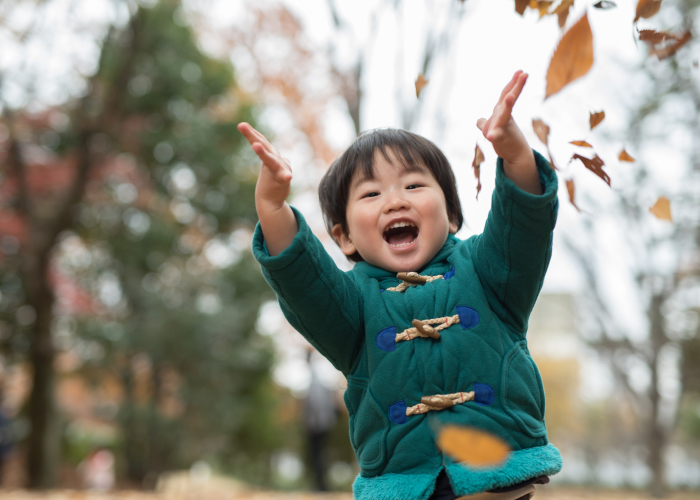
[{"x": 396, "y": 220}]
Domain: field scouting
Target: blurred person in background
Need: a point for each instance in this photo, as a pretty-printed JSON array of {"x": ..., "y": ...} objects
[
  {"x": 6, "y": 436},
  {"x": 97, "y": 470}
]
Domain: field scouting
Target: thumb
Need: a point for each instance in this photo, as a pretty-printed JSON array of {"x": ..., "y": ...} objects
[{"x": 480, "y": 123}]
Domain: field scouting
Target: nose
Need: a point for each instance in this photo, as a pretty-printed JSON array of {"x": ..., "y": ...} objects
[{"x": 396, "y": 203}]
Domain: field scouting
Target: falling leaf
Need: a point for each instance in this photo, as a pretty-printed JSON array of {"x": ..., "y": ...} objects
[
  {"x": 655, "y": 37},
  {"x": 647, "y": 9},
  {"x": 624, "y": 156},
  {"x": 572, "y": 191},
  {"x": 582, "y": 144},
  {"x": 668, "y": 49},
  {"x": 562, "y": 11},
  {"x": 605, "y": 5},
  {"x": 476, "y": 164},
  {"x": 662, "y": 209},
  {"x": 595, "y": 165},
  {"x": 542, "y": 6},
  {"x": 421, "y": 82},
  {"x": 696, "y": 64},
  {"x": 472, "y": 446},
  {"x": 596, "y": 118},
  {"x": 542, "y": 130},
  {"x": 572, "y": 58},
  {"x": 521, "y": 5}
]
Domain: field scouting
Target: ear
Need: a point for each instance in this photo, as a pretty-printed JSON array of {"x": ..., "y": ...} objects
[
  {"x": 344, "y": 242},
  {"x": 453, "y": 227}
]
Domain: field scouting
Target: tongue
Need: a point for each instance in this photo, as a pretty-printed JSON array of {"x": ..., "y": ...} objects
[{"x": 403, "y": 237}]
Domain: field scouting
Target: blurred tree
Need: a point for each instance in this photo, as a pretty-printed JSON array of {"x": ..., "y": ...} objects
[
  {"x": 129, "y": 209},
  {"x": 662, "y": 260}
]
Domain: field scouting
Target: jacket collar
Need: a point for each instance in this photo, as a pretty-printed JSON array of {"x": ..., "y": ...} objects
[{"x": 380, "y": 274}]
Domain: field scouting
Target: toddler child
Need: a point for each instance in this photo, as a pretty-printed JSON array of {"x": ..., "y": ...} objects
[{"x": 441, "y": 342}]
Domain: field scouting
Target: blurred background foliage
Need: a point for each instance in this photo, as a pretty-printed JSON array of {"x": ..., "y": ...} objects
[{"x": 133, "y": 207}]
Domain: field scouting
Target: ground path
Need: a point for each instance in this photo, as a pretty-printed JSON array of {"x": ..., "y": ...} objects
[{"x": 547, "y": 493}]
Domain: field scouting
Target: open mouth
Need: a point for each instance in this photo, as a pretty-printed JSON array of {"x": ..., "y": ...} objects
[{"x": 401, "y": 234}]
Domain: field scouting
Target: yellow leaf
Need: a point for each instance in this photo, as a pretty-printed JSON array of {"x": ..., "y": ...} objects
[
  {"x": 596, "y": 118},
  {"x": 582, "y": 144},
  {"x": 472, "y": 446},
  {"x": 572, "y": 191},
  {"x": 572, "y": 58},
  {"x": 662, "y": 209},
  {"x": 542, "y": 130},
  {"x": 624, "y": 156},
  {"x": 421, "y": 82},
  {"x": 476, "y": 164},
  {"x": 647, "y": 9}
]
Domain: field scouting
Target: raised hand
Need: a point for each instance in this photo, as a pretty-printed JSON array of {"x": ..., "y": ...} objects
[
  {"x": 508, "y": 140},
  {"x": 278, "y": 222},
  {"x": 275, "y": 173},
  {"x": 500, "y": 129}
]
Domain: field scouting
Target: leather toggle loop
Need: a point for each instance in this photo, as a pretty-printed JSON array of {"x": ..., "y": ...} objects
[
  {"x": 426, "y": 329},
  {"x": 413, "y": 278},
  {"x": 437, "y": 401}
]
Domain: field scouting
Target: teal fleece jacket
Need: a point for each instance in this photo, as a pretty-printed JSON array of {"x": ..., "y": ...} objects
[{"x": 492, "y": 281}]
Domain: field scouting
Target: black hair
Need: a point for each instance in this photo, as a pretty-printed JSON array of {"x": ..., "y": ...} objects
[{"x": 415, "y": 153}]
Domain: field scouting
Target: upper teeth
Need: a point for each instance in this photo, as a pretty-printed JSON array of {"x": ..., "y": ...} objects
[{"x": 401, "y": 224}]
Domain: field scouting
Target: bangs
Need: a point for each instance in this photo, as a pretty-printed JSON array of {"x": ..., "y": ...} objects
[{"x": 406, "y": 158}]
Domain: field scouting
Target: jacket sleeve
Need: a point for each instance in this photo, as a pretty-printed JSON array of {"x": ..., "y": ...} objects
[
  {"x": 512, "y": 254},
  {"x": 319, "y": 300}
]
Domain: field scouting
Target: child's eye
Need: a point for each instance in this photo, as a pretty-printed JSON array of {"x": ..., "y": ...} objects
[
  {"x": 371, "y": 194},
  {"x": 413, "y": 186}
]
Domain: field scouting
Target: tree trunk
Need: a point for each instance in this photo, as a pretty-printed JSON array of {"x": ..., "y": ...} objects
[
  {"x": 43, "y": 443},
  {"x": 656, "y": 437}
]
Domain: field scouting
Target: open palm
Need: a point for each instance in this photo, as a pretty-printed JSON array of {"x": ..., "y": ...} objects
[{"x": 500, "y": 129}]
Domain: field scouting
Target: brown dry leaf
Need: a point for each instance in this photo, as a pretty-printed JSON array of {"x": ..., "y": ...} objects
[
  {"x": 572, "y": 191},
  {"x": 421, "y": 82},
  {"x": 671, "y": 48},
  {"x": 647, "y": 9},
  {"x": 595, "y": 165},
  {"x": 542, "y": 6},
  {"x": 542, "y": 130},
  {"x": 476, "y": 164},
  {"x": 521, "y": 5},
  {"x": 572, "y": 58},
  {"x": 472, "y": 446},
  {"x": 655, "y": 37},
  {"x": 596, "y": 118},
  {"x": 624, "y": 156},
  {"x": 605, "y": 5},
  {"x": 662, "y": 209},
  {"x": 582, "y": 144},
  {"x": 562, "y": 11}
]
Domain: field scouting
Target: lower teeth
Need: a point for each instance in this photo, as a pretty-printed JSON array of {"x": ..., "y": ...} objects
[{"x": 401, "y": 244}]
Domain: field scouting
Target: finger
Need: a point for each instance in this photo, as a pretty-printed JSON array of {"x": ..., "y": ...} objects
[
  {"x": 254, "y": 136},
  {"x": 510, "y": 85},
  {"x": 480, "y": 123},
  {"x": 272, "y": 161},
  {"x": 518, "y": 87}
]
